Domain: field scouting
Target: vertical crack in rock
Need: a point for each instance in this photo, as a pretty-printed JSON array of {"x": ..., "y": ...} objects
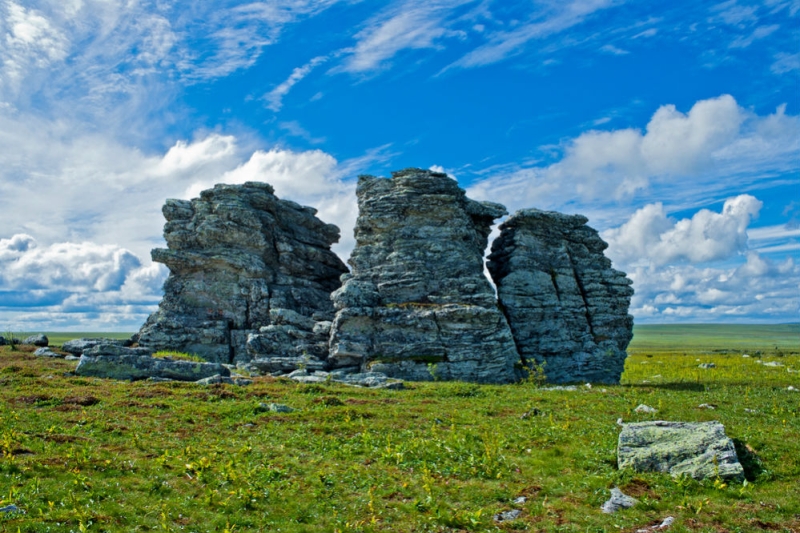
[
  {"x": 566, "y": 306},
  {"x": 417, "y": 294},
  {"x": 241, "y": 259}
]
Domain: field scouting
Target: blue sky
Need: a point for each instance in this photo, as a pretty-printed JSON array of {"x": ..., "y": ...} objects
[{"x": 674, "y": 126}]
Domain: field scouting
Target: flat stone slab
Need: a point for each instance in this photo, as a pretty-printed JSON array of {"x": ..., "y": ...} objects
[
  {"x": 78, "y": 346},
  {"x": 132, "y": 364},
  {"x": 698, "y": 449}
]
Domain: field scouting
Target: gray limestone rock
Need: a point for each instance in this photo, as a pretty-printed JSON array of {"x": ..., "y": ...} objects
[
  {"x": 227, "y": 380},
  {"x": 117, "y": 362},
  {"x": 618, "y": 500},
  {"x": 239, "y": 259},
  {"x": 78, "y": 346},
  {"x": 567, "y": 308},
  {"x": 46, "y": 352},
  {"x": 417, "y": 305},
  {"x": 37, "y": 340},
  {"x": 698, "y": 449}
]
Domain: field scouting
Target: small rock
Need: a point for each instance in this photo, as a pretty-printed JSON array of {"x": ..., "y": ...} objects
[
  {"x": 790, "y": 388},
  {"x": 530, "y": 413},
  {"x": 505, "y": 516},
  {"x": 46, "y": 352},
  {"x": 588, "y": 385},
  {"x": 11, "y": 509},
  {"x": 642, "y": 408},
  {"x": 273, "y": 408},
  {"x": 227, "y": 380},
  {"x": 562, "y": 387},
  {"x": 71, "y": 358},
  {"x": 520, "y": 500},
  {"x": 773, "y": 364},
  {"x": 707, "y": 365},
  {"x": 668, "y": 521},
  {"x": 706, "y": 406},
  {"x": 37, "y": 340},
  {"x": 752, "y": 411},
  {"x": 619, "y": 421},
  {"x": 743, "y": 355},
  {"x": 618, "y": 501}
]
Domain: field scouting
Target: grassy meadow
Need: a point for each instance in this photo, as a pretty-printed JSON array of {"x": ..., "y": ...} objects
[{"x": 84, "y": 454}]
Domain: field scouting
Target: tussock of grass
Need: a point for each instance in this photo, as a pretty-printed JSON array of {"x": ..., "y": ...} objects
[
  {"x": 179, "y": 356},
  {"x": 87, "y": 454}
]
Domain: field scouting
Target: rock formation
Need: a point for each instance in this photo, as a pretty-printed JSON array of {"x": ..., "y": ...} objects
[
  {"x": 566, "y": 306},
  {"x": 417, "y": 304},
  {"x": 240, "y": 259}
]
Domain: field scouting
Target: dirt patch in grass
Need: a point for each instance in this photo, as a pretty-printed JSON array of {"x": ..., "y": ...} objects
[{"x": 84, "y": 401}]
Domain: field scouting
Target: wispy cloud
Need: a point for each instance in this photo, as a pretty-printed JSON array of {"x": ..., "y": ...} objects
[
  {"x": 556, "y": 18},
  {"x": 413, "y": 24},
  {"x": 274, "y": 98}
]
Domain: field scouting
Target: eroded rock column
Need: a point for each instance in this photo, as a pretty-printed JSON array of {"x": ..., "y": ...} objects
[
  {"x": 566, "y": 306},
  {"x": 241, "y": 259},
  {"x": 417, "y": 304}
]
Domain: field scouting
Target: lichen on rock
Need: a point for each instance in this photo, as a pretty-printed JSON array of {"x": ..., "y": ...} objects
[
  {"x": 566, "y": 306},
  {"x": 417, "y": 304}
]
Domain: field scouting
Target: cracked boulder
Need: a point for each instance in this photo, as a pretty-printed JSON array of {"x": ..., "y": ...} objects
[
  {"x": 236, "y": 254},
  {"x": 416, "y": 305},
  {"x": 567, "y": 308}
]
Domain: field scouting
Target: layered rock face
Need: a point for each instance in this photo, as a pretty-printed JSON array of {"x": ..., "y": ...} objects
[
  {"x": 240, "y": 259},
  {"x": 416, "y": 304},
  {"x": 566, "y": 306}
]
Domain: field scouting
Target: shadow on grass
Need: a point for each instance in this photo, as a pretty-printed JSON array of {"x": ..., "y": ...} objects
[
  {"x": 749, "y": 460},
  {"x": 685, "y": 386}
]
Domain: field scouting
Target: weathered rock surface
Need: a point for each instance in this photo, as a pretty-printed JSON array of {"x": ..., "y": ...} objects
[
  {"x": 417, "y": 305},
  {"x": 698, "y": 449},
  {"x": 236, "y": 255},
  {"x": 618, "y": 500},
  {"x": 118, "y": 362},
  {"x": 37, "y": 340},
  {"x": 566, "y": 306},
  {"x": 78, "y": 346},
  {"x": 46, "y": 352}
]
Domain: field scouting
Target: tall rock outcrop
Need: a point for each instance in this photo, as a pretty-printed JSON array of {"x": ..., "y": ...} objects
[
  {"x": 417, "y": 304},
  {"x": 566, "y": 306},
  {"x": 241, "y": 259}
]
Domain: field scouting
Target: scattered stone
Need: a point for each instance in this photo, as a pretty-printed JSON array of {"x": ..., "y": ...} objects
[
  {"x": 706, "y": 406},
  {"x": 372, "y": 380},
  {"x": 617, "y": 501},
  {"x": 505, "y": 516},
  {"x": 227, "y": 380},
  {"x": 773, "y": 364},
  {"x": 745, "y": 355},
  {"x": 71, "y": 358},
  {"x": 700, "y": 450},
  {"x": 668, "y": 521},
  {"x": 78, "y": 346},
  {"x": 273, "y": 408},
  {"x": 791, "y": 388},
  {"x": 46, "y": 352},
  {"x": 11, "y": 508},
  {"x": 417, "y": 305},
  {"x": 561, "y": 388},
  {"x": 642, "y": 408},
  {"x": 620, "y": 422},
  {"x": 531, "y": 413},
  {"x": 565, "y": 304},
  {"x": 751, "y": 411},
  {"x": 37, "y": 340},
  {"x": 520, "y": 500},
  {"x": 241, "y": 259},
  {"x": 117, "y": 362},
  {"x": 707, "y": 365}
]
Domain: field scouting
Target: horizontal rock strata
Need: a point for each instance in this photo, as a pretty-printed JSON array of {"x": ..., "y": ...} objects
[
  {"x": 698, "y": 449},
  {"x": 236, "y": 255},
  {"x": 567, "y": 308},
  {"x": 417, "y": 305},
  {"x": 117, "y": 362}
]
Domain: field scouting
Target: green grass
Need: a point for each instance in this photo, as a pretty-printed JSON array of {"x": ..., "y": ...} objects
[
  {"x": 87, "y": 454},
  {"x": 715, "y": 337}
]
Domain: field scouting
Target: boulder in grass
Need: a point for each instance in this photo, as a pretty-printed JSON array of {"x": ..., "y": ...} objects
[
  {"x": 618, "y": 500},
  {"x": 78, "y": 346},
  {"x": 698, "y": 449},
  {"x": 37, "y": 340},
  {"x": 47, "y": 352},
  {"x": 118, "y": 362}
]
